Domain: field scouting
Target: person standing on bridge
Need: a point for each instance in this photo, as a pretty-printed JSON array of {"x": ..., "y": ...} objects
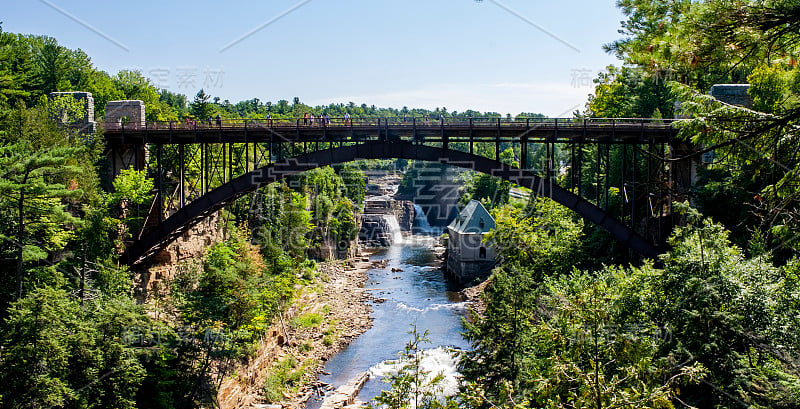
[
  {"x": 311, "y": 119},
  {"x": 209, "y": 120},
  {"x": 327, "y": 119},
  {"x": 346, "y": 119},
  {"x": 305, "y": 118},
  {"x": 219, "y": 121}
]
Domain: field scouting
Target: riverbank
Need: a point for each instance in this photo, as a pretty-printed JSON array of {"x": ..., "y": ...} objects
[
  {"x": 323, "y": 320},
  {"x": 474, "y": 296}
]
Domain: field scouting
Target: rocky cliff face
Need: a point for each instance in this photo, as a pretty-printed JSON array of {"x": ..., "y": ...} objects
[
  {"x": 375, "y": 231},
  {"x": 185, "y": 252},
  {"x": 436, "y": 188},
  {"x": 404, "y": 211},
  {"x": 328, "y": 250}
]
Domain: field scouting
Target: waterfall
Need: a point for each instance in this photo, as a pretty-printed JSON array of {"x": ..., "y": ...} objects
[
  {"x": 421, "y": 224},
  {"x": 437, "y": 361},
  {"x": 394, "y": 228}
]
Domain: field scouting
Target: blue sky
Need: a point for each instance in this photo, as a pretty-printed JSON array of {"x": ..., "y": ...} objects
[{"x": 508, "y": 56}]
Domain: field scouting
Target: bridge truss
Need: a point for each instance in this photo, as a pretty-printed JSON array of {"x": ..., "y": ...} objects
[{"x": 604, "y": 169}]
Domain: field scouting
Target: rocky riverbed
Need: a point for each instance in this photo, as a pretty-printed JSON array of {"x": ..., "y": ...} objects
[{"x": 347, "y": 309}]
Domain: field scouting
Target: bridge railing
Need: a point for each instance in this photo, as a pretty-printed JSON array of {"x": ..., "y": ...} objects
[{"x": 361, "y": 122}]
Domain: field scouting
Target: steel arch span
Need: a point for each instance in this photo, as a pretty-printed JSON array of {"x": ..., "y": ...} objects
[{"x": 174, "y": 226}]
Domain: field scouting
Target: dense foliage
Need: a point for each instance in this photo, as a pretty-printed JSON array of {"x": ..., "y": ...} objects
[
  {"x": 674, "y": 51},
  {"x": 712, "y": 323},
  {"x": 75, "y": 330},
  {"x": 710, "y": 327}
]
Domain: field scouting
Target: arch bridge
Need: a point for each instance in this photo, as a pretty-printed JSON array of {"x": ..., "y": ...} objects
[{"x": 611, "y": 172}]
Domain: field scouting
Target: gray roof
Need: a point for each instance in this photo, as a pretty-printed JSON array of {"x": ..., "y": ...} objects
[{"x": 473, "y": 219}]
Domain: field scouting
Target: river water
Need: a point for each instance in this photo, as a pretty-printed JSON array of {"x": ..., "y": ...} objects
[{"x": 417, "y": 294}]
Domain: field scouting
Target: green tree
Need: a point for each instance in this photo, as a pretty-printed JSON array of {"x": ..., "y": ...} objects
[
  {"x": 133, "y": 186},
  {"x": 52, "y": 66},
  {"x": 355, "y": 183},
  {"x": 412, "y": 386},
  {"x": 200, "y": 108},
  {"x": 544, "y": 236},
  {"x": 65, "y": 109},
  {"x": 134, "y": 85},
  {"x": 281, "y": 222},
  {"x": 344, "y": 227},
  {"x": 57, "y": 354},
  {"x": 225, "y": 293},
  {"x": 593, "y": 348},
  {"x": 39, "y": 165},
  {"x": 700, "y": 43},
  {"x": 532, "y": 244},
  {"x": 628, "y": 92},
  {"x": 725, "y": 312},
  {"x": 501, "y": 335},
  {"x": 133, "y": 193},
  {"x": 16, "y": 70},
  {"x": 175, "y": 102}
]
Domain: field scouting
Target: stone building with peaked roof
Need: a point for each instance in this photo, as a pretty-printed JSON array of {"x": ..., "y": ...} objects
[{"x": 468, "y": 257}]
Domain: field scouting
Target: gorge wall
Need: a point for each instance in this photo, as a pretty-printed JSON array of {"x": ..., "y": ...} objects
[
  {"x": 378, "y": 228},
  {"x": 187, "y": 251}
]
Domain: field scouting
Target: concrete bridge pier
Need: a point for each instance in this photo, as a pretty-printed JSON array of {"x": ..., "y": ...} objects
[
  {"x": 61, "y": 112},
  {"x": 121, "y": 116}
]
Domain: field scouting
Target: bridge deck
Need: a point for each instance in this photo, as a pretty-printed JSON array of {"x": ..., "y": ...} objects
[{"x": 533, "y": 130}]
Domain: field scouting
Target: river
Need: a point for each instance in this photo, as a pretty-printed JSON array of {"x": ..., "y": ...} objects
[{"x": 418, "y": 294}]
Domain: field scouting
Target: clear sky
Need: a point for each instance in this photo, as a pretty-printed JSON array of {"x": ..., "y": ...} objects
[{"x": 507, "y": 56}]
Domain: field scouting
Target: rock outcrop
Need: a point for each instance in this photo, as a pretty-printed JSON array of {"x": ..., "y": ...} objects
[
  {"x": 375, "y": 231},
  {"x": 346, "y": 394},
  {"x": 329, "y": 250},
  {"x": 185, "y": 252},
  {"x": 404, "y": 211}
]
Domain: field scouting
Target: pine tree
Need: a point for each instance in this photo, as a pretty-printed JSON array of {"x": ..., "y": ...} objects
[
  {"x": 36, "y": 163},
  {"x": 200, "y": 108}
]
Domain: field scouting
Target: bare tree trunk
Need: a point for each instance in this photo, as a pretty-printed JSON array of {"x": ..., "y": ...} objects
[{"x": 20, "y": 241}]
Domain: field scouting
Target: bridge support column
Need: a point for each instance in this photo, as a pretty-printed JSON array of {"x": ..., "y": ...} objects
[
  {"x": 63, "y": 113},
  {"x": 523, "y": 153},
  {"x": 125, "y": 115}
]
